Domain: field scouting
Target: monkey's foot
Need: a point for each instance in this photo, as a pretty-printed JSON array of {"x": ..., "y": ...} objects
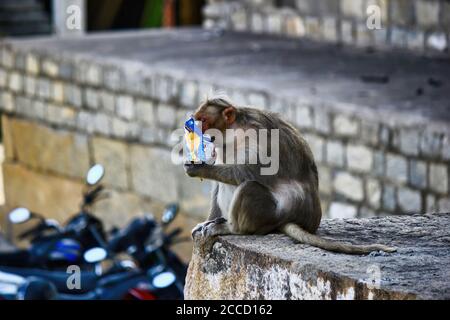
[{"x": 202, "y": 228}]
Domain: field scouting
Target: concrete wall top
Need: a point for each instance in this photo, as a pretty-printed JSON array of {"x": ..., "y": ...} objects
[{"x": 275, "y": 267}]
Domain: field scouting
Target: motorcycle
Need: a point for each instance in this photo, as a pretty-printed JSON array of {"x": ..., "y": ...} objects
[
  {"x": 53, "y": 246},
  {"x": 153, "y": 272}
]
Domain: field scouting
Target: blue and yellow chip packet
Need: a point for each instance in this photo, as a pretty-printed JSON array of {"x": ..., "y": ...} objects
[
  {"x": 198, "y": 148},
  {"x": 193, "y": 138}
]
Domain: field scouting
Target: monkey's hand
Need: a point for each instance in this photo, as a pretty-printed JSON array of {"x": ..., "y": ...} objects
[
  {"x": 202, "y": 228},
  {"x": 196, "y": 170}
]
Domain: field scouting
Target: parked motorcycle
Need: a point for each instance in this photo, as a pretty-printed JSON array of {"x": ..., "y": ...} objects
[
  {"x": 153, "y": 271},
  {"x": 53, "y": 246}
]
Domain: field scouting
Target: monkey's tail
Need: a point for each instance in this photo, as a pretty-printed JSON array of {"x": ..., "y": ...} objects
[{"x": 297, "y": 233}]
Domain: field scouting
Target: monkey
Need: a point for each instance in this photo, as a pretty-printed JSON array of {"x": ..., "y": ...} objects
[{"x": 244, "y": 201}]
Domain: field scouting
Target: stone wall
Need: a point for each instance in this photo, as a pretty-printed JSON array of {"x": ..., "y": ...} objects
[
  {"x": 275, "y": 267},
  {"x": 68, "y": 104},
  {"x": 417, "y": 25}
]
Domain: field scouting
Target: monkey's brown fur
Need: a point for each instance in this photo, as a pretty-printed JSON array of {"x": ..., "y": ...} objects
[{"x": 258, "y": 204}]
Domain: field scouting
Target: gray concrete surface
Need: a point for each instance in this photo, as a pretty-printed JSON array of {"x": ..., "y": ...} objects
[
  {"x": 301, "y": 69},
  {"x": 276, "y": 267}
]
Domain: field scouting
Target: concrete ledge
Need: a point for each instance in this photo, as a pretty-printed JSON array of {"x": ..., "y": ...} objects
[{"x": 275, "y": 267}]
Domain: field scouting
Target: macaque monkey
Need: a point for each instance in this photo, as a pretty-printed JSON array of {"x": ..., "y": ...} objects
[{"x": 244, "y": 201}]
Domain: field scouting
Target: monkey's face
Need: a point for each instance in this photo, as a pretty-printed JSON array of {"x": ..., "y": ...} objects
[{"x": 215, "y": 117}]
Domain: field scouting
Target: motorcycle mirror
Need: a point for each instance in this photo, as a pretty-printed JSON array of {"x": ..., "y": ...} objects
[
  {"x": 170, "y": 212},
  {"x": 95, "y": 255},
  {"x": 163, "y": 280},
  {"x": 19, "y": 215},
  {"x": 95, "y": 174}
]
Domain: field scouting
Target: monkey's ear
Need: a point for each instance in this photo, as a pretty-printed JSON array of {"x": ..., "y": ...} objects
[{"x": 229, "y": 114}]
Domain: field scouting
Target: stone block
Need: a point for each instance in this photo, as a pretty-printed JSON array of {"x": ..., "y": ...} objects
[
  {"x": 345, "y": 126},
  {"x": 330, "y": 31},
  {"x": 107, "y": 101},
  {"x": 38, "y": 110},
  {"x": 145, "y": 111},
  {"x": 30, "y": 86},
  {"x": 124, "y": 129},
  {"x": 7, "y": 58},
  {"x": 93, "y": 74},
  {"x": 347, "y": 31},
  {"x": 166, "y": 115},
  {"x": 58, "y": 92},
  {"x": 153, "y": 173},
  {"x": 439, "y": 178},
  {"x": 91, "y": 98},
  {"x": 430, "y": 143},
  {"x": 335, "y": 153},
  {"x": 112, "y": 78},
  {"x": 102, "y": 123},
  {"x": 72, "y": 95},
  {"x": 114, "y": 156},
  {"x": 409, "y": 142},
  {"x": 340, "y": 210},
  {"x": 316, "y": 143},
  {"x": 189, "y": 94},
  {"x": 389, "y": 198},
  {"x": 3, "y": 78},
  {"x": 409, "y": 201},
  {"x": 257, "y": 22},
  {"x": 396, "y": 168},
  {"x": 52, "y": 196},
  {"x": 15, "y": 83},
  {"x": 370, "y": 132},
  {"x": 61, "y": 115},
  {"x": 322, "y": 121},
  {"x": 46, "y": 149},
  {"x": 325, "y": 180},
  {"x": 349, "y": 186},
  {"x": 359, "y": 158},
  {"x": 239, "y": 20},
  {"x": 431, "y": 205},
  {"x": 7, "y": 101},
  {"x": 373, "y": 193},
  {"x": 427, "y": 13},
  {"x": 353, "y": 8},
  {"x": 295, "y": 26},
  {"x": 86, "y": 121},
  {"x": 402, "y": 12},
  {"x": 418, "y": 174},
  {"x": 44, "y": 88},
  {"x": 304, "y": 117},
  {"x": 126, "y": 107},
  {"x": 444, "y": 205},
  {"x": 50, "y": 68},
  {"x": 32, "y": 64},
  {"x": 7, "y": 137},
  {"x": 313, "y": 28}
]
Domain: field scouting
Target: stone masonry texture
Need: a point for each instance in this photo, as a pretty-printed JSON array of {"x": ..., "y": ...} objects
[
  {"x": 420, "y": 26},
  {"x": 276, "y": 267}
]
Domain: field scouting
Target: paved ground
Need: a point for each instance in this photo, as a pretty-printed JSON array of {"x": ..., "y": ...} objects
[{"x": 416, "y": 88}]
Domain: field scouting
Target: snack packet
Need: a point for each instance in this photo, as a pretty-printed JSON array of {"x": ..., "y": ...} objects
[{"x": 198, "y": 148}]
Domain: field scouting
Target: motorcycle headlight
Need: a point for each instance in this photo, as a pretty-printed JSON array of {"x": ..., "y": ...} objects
[{"x": 163, "y": 280}]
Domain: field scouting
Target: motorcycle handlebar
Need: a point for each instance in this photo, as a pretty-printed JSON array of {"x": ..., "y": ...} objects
[{"x": 92, "y": 195}]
